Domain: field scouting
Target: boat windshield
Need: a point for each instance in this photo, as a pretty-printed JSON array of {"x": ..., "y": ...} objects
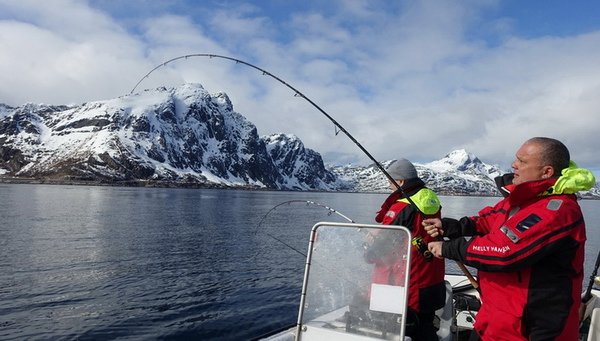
[{"x": 344, "y": 291}]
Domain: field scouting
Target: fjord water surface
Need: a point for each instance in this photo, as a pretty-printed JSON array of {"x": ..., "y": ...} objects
[{"x": 88, "y": 263}]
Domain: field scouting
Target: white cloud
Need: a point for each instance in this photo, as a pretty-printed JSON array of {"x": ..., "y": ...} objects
[
  {"x": 413, "y": 79},
  {"x": 63, "y": 52},
  {"x": 240, "y": 23}
]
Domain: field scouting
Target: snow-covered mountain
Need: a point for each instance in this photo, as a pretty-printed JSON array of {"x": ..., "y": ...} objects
[
  {"x": 183, "y": 135},
  {"x": 297, "y": 164},
  {"x": 458, "y": 173},
  {"x": 462, "y": 173},
  {"x": 187, "y": 137}
]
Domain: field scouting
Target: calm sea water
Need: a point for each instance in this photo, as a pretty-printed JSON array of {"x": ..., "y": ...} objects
[{"x": 92, "y": 263}]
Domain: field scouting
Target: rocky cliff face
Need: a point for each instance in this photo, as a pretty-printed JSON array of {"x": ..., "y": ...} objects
[{"x": 299, "y": 165}]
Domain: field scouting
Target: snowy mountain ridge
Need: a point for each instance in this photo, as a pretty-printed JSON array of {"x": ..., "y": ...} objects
[
  {"x": 180, "y": 136},
  {"x": 457, "y": 173},
  {"x": 185, "y": 136}
]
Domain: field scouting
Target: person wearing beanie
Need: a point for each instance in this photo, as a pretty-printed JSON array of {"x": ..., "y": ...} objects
[
  {"x": 402, "y": 169},
  {"x": 410, "y": 203}
]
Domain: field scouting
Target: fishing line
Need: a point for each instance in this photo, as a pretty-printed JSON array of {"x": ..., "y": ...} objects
[
  {"x": 330, "y": 211},
  {"x": 308, "y": 203}
]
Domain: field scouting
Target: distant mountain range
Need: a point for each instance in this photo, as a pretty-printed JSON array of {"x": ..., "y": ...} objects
[
  {"x": 458, "y": 173},
  {"x": 187, "y": 137}
]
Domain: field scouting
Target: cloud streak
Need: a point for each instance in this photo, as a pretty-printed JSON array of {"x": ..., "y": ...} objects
[{"x": 408, "y": 79}]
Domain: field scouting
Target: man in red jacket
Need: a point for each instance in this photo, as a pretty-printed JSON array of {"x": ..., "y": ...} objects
[
  {"x": 528, "y": 248},
  {"x": 426, "y": 292}
]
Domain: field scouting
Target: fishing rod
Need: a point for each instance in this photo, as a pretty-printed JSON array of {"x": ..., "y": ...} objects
[
  {"x": 330, "y": 211},
  {"x": 587, "y": 296},
  {"x": 298, "y": 93},
  {"x": 308, "y": 203},
  {"x": 588, "y": 292}
]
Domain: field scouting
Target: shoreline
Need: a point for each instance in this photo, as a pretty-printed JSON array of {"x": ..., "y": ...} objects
[{"x": 193, "y": 185}]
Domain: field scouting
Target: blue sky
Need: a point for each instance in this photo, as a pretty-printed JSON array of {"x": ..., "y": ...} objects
[{"x": 413, "y": 79}]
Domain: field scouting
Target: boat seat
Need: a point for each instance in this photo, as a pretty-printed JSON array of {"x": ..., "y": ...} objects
[{"x": 594, "y": 332}]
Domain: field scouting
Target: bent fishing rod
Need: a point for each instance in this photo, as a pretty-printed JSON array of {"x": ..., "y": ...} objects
[
  {"x": 330, "y": 211},
  {"x": 308, "y": 203},
  {"x": 298, "y": 93}
]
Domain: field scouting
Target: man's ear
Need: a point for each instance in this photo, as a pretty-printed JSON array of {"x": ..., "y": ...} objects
[{"x": 548, "y": 172}]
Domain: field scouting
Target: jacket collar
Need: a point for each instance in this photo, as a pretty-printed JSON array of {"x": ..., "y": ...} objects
[
  {"x": 572, "y": 180},
  {"x": 529, "y": 190}
]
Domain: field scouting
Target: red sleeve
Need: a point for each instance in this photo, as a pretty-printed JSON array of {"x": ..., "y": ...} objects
[
  {"x": 487, "y": 216},
  {"x": 547, "y": 226}
]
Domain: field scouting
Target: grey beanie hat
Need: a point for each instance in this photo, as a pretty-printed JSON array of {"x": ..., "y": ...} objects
[{"x": 402, "y": 169}]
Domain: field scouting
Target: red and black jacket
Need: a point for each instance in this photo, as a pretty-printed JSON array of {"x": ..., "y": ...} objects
[
  {"x": 529, "y": 251},
  {"x": 427, "y": 291}
]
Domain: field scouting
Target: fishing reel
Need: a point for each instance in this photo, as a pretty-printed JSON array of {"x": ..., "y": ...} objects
[{"x": 419, "y": 243}]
